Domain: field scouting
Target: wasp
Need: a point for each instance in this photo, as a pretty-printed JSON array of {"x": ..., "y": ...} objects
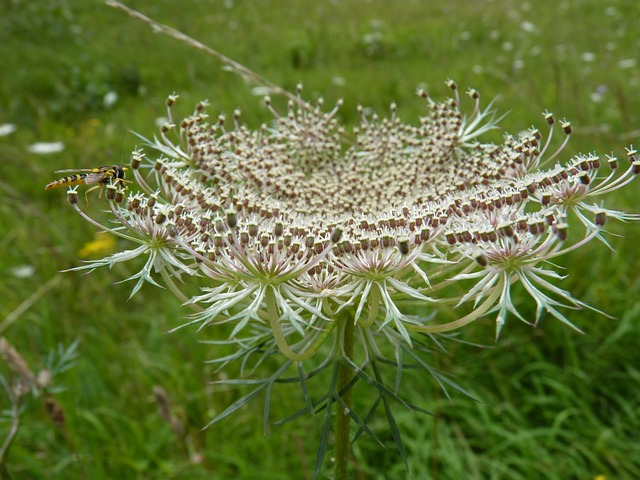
[{"x": 100, "y": 177}]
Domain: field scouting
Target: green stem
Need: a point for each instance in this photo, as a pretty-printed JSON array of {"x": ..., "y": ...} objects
[
  {"x": 13, "y": 431},
  {"x": 461, "y": 322},
  {"x": 373, "y": 307},
  {"x": 274, "y": 321},
  {"x": 342, "y": 448},
  {"x": 171, "y": 284}
]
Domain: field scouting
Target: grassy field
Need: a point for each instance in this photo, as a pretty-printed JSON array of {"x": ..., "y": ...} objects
[{"x": 554, "y": 404}]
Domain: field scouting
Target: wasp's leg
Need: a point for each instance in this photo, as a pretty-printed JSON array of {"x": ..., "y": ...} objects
[
  {"x": 121, "y": 184},
  {"x": 86, "y": 194}
]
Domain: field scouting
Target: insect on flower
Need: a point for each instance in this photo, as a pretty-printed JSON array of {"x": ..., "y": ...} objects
[{"x": 100, "y": 177}]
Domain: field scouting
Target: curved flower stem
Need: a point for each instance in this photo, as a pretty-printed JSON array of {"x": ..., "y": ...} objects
[
  {"x": 102, "y": 227},
  {"x": 274, "y": 322},
  {"x": 142, "y": 182},
  {"x": 342, "y": 447},
  {"x": 373, "y": 308},
  {"x": 176, "y": 291},
  {"x": 461, "y": 322},
  {"x": 450, "y": 281}
]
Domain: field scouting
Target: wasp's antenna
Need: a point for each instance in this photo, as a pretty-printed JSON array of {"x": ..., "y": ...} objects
[{"x": 229, "y": 63}]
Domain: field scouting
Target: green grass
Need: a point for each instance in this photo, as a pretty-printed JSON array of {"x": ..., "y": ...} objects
[{"x": 554, "y": 404}]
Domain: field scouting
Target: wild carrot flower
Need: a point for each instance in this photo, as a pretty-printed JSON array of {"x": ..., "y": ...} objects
[
  {"x": 311, "y": 240},
  {"x": 337, "y": 250}
]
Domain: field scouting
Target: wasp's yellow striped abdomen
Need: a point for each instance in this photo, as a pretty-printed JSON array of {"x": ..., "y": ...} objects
[{"x": 70, "y": 181}]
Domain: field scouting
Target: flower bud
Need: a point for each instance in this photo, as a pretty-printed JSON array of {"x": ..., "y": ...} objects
[
  {"x": 403, "y": 245},
  {"x": 171, "y": 100},
  {"x": 549, "y": 118},
  {"x": 601, "y": 218},
  {"x": 309, "y": 241},
  {"x": 336, "y": 234},
  {"x": 561, "y": 231},
  {"x": 72, "y": 196},
  {"x": 545, "y": 199},
  {"x": 550, "y": 217},
  {"x": 480, "y": 258},
  {"x": 584, "y": 178},
  {"x": 506, "y": 229},
  {"x": 451, "y": 237},
  {"x": 278, "y": 229},
  {"x": 232, "y": 219}
]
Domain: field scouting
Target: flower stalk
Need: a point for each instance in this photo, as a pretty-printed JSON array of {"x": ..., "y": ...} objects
[{"x": 342, "y": 448}]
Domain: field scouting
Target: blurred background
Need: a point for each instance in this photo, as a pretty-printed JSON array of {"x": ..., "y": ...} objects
[{"x": 78, "y": 78}]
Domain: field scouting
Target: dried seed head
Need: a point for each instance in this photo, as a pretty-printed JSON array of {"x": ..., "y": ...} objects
[
  {"x": 584, "y": 178},
  {"x": 171, "y": 100},
  {"x": 479, "y": 257},
  {"x": 278, "y": 229},
  {"x": 403, "y": 245},
  {"x": 561, "y": 230},
  {"x": 111, "y": 192},
  {"x": 72, "y": 196},
  {"x": 336, "y": 234},
  {"x": 136, "y": 161},
  {"x": 232, "y": 219}
]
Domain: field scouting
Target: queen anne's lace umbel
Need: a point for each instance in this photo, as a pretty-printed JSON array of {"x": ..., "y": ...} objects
[{"x": 297, "y": 222}]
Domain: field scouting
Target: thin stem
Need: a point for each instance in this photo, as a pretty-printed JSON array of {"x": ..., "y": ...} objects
[
  {"x": 142, "y": 182},
  {"x": 102, "y": 227},
  {"x": 13, "y": 431},
  {"x": 373, "y": 308},
  {"x": 461, "y": 322},
  {"x": 232, "y": 65},
  {"x": 274, "y": 321},
  {"x": 342, "y": 448},
  {"x": 177, "y": 292}
]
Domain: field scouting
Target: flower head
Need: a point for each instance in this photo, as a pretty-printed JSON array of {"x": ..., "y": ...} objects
[{"x": 292, "y": 227}]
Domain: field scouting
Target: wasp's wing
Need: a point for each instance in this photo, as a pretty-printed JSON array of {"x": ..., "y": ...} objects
[
  {"x": 78, "y": 170},
  {"x": 94, "y": 177}
]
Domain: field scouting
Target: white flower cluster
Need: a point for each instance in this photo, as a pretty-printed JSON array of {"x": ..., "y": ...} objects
[{"x": 298, "y": 223}]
